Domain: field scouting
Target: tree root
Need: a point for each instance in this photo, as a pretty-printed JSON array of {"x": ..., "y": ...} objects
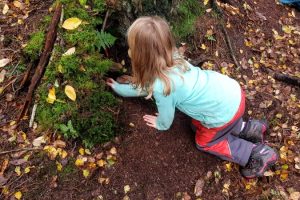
[{"x": 293, "y": 80}]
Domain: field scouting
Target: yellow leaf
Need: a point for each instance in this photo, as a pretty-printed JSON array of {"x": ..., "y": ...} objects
[
  {"x": 5, "y": 9},
  {"x": 101, "y": 163},
  {"x": 87, "y": 151},
  {"x": 288, "y": 29},
  {"x": 295, "y": 196},
  {"x": 203, "y": 46},
  {"x": 5, "y": 190},
  {"x": 27, "y": 170},
  {"x": 17, "y": 4},
  {"x": 71, "y": 23},
  {"x": 279, "y": 115},
  {"x": 58, "y": 166},
  {"x": 80, "y": 162},
  {"x": 70, "y": 92},
  {"x": 51, "y": 95},
  {"x": 228, "y": 167},
  {"x": 292, "y": 42},
  {"x": 18, "y": 170},
  {"x": 18, "y": 195},
  {"x": 126, "y": 189},
  {"x": 81, "y": 151},
  {"x": 60, "y": 69},
  {"x": 85, "y": 173},
  {"x": 248, "y": 43},
  {"x": 224, "y": 70},
  {"x": 63, "y": 154},
  {"x": 205, "y": 2}
]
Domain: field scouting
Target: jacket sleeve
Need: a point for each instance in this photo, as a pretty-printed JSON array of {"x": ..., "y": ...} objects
[
  {"x": 128, "y": 90},
  {"x": 166, "y": 110}
]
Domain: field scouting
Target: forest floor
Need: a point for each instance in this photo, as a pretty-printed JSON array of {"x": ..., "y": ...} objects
[{"x": 143, "y": 163}]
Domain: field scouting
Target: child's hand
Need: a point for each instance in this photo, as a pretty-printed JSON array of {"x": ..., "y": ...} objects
[
  {"x": 150, "y": 120},
  {"x": 111, "y": 82}
]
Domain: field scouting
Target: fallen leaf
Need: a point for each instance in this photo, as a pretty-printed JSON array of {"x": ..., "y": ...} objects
[
  {"x": 18, "y": 195},
  {"x": 27, "y": 170},
  {"x": 51, "y": 95},
  {"x": 4, "y": 166},
  {"x": 126, "y": 189},
  {"x": 59, "y": 144},
  {"x": 4, "y": 62},
  {"x": 59, "y": 166},
  {"x": 80, "y": 161},
  {"x": 101, "y": 163},
  {"x": 205, "y": 2},
  {"x": 5, "y": 9},
  {"x": 69, "y": 51},
  {"x": 85, "y": 173},
  {"x": 87, "y": 151},
  {"x": 18, "y": 4},
  {"x": 288, "y": 29},
  {"x": 71, "y": 23},
  {"x": 228, "y": 167},
  {"x": 198, "y": 187},
  {"x": 37, "y": 142},
  {"x": 2, "y": 75},
  {"x": 113, "y": 151},
  {"x": 203, "y": 46},
  {"x": 70, "y": 92},
  {"x": 81, "y": 151},
  {"x": 18, "y": 170},
  {"x": 295, "y": 196},
  {"x": 269, "y": 173}
]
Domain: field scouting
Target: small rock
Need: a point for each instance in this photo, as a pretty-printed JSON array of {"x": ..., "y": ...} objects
[{"x": 198, "y": 187}]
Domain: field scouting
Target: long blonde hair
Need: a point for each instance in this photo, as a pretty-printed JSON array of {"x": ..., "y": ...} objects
[{"x": 151, "y": 47}]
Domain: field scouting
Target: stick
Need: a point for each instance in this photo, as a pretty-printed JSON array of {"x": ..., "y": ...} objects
[
  {"x": 283, "y": 77},
  {"x": 17, "y": 150},
  {"x": 215, "y": 6},
  {"x": 44, "y": 59}
]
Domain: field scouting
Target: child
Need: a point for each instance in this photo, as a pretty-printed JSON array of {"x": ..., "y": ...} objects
[{"x": 214, "y": 101}]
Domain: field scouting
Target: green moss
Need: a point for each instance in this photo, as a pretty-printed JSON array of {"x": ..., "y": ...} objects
[
  {"x": 89, "y": 40},
  {"x": 94, "y": 122},
  {"x": 35, "y": 45},
  {"x": 69, "y": 66},
  {"x": 96, "y": 65},
  {"x": 89, "y": 118},
  {"x": 187, "y": 13}
]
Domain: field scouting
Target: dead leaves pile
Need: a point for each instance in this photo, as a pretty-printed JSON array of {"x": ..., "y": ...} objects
[{"x": 19, "y": 164}]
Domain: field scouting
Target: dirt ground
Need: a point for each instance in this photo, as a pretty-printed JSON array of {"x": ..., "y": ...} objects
[{"x": 166, "y": 165}]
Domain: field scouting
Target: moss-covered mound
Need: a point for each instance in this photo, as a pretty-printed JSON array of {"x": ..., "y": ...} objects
[{"x": 89, "y": 117}]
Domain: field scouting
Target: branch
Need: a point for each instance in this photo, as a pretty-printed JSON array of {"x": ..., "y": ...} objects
[
  {"x": 17, "y": 150},
  {"x": 44, "y": 59}
]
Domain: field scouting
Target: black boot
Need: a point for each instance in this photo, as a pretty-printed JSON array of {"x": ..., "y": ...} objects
[{"x": 261, "y": 159}]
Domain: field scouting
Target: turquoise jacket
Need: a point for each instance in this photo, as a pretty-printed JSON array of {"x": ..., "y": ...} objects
[{"x": 205, "y": 95}]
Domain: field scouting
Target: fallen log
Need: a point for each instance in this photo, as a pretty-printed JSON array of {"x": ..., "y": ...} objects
[{"x": 44, "y": 59}]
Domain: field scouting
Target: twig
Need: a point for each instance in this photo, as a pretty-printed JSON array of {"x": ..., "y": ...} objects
[
  {"x": 17, "y": 150},
  {"x": 227, "y": 38},
  {"x": 105, "y": 20},
  {"x": 282, "y": 77},
  {"x": 32, "y": 115}
]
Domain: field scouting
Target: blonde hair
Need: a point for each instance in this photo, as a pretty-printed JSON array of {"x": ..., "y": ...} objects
[{"x": 152, "y": 47}]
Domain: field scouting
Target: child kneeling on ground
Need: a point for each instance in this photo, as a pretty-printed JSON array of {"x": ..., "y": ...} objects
[{"x": 215, "y": 102}]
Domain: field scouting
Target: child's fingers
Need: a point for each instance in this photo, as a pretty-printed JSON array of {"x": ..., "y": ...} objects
[{"x": 110, "y": 82}]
